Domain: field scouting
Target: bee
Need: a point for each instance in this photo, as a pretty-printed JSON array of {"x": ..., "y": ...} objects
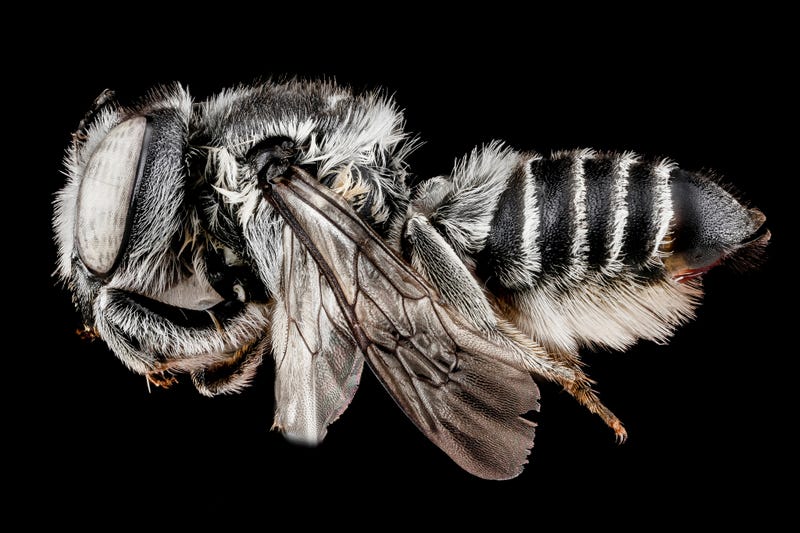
[{"x": 280, "y": 221}]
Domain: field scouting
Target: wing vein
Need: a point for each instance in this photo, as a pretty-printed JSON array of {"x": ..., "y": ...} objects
[
  {"x": 303, "y": 195},
  {"x": 455, "y": 383}
]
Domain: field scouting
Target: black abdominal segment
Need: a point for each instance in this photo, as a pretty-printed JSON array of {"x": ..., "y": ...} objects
[
  {"x": 505, "y": 239},
  {"x": 556, "y": 215},
  {"x": 594, "y": 211},
  {"x": 641, "y": 228},
  {"x": 601, "y": 177}
]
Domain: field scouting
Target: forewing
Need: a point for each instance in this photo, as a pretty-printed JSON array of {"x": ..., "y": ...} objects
[
  {"x": 317, "y": 364},
  {"x": 455, "y": 384}
]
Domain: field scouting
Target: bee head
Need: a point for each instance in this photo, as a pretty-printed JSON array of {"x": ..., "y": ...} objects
[
  {"x": 121, "y": 218},
  {"x": 131, "y": 247}
]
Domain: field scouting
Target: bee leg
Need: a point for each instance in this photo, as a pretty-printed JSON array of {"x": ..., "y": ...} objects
[
  {"x": 429, "y": 254},
  {"x": 564, "y": 369},
  {"x": 580, "y": 388},
  {"x": 211, "y": 375},
  {"x": 230, "y": 375},
  {"x": 578, "y": 385},
  {"x": 161, "y": 378}
]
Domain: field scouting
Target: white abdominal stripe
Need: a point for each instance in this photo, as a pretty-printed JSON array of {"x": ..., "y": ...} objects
[
  {"x": 570, "y": 243},
  {"x": 147, "y": 334},
  {"x": 565, "y": 218}
]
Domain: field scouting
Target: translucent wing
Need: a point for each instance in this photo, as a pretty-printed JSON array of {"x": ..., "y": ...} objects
[
  {"x": 317, "y": 364},
  {"x": 458, "y": 386}
]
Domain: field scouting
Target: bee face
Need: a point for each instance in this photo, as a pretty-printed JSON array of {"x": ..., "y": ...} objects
[
  {"x": 130, "y": 243},
  {"x": 124, "y": 164},
  {"x": 274, "y": 221}
]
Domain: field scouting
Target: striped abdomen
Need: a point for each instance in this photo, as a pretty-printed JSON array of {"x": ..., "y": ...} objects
[
  {"x": 574, "y": 213},
  {"x": 574, "y": 249}
]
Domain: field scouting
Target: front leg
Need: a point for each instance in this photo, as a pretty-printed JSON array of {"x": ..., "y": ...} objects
[
  {"x": 220, "y": 347},
  {"x": 161, "y": 378}
]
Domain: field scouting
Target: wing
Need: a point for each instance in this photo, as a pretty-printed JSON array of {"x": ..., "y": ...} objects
[
  {"x": 317, "y": 363},
  {"x": 458, "y": 386}
]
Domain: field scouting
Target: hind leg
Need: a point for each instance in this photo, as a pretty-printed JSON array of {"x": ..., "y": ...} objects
[
  {"x": 565, "y": 369},
  {"x": 429, "y": 253}
]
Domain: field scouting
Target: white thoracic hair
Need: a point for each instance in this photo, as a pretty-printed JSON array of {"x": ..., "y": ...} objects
[{"x": 356, "y": 140}]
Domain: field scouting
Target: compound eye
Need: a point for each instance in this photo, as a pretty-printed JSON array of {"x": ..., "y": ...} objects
[{"x": 106, "y": 194}]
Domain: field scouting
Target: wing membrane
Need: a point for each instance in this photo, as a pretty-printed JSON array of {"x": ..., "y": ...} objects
[
  {"x": 317, "y": 364},
  {"x": 455, "y": 384}
]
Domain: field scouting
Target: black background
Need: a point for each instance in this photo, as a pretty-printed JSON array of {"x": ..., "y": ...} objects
[{"x": 708, "y": 415}]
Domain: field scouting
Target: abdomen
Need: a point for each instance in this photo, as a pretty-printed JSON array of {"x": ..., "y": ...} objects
[
  {"x": 574, "y": 215},
  {"x": 587, "y": 248}
]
